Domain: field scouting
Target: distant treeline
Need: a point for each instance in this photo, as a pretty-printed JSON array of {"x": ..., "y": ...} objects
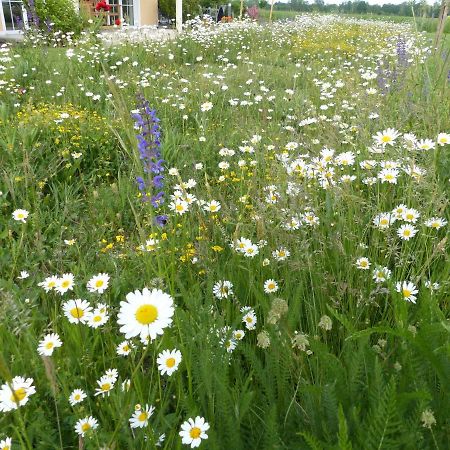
[{"x": 358, "y": 7}]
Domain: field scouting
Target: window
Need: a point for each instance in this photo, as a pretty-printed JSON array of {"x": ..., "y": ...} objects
[
  {"x": 14, "y": 14},
  {"x": 128, "y": 12}
]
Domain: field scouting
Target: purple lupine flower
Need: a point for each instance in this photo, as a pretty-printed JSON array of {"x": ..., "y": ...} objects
[
  {"x": 149, "y": 146},
  {"x": 161, "y": 220},
  {"x": 402, "y": 55}
]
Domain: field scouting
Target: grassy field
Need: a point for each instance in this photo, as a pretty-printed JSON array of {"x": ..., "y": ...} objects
[
  {"x": 423, "y": 23},
  {"x": 236, "y": 240}
]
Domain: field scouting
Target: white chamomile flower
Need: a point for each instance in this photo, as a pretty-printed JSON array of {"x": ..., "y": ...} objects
[
  {"x": 213, "y": 206},
  {"x": 193, "y": 431},
  {"x": 223, "y": 289},
  {"x": 381, "y": 274},
  {"x": 140, "y": 417},
  {"x": 49, "y": 283},
  {"x": 145, "y": 313},
  {"x": 6, "y": 444},
  {"x": 408, "y": 290},
  {"x": 65, "y": 283},
  {"x": 168, "y": 361},
  {"x": 363, "y": 263},
  {"x": 77, "y": 396},
  {"x": 16, "y": 393},
  {"x": 77, "y": 311},
  {"x": 270, "y": 286},
  {"x": 86, "y": 425},
  {"x": 124, "y": 348},
  {"x": 48, "y": 344},
  {"x": 20, "y": 215},
  {"x": 238, "y": 335},
  {"x": 250, "y": 320},
  {"x": 406, "y": 232},
  {"x": 436, "y": 223},
  {"x": 98, "y": 283}
]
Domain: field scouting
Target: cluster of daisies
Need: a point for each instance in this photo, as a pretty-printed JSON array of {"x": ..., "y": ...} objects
[
  {"x": 66, "y": 282},
  {"x": 382, "y": 274},
  {"x": 410, "y": 217}
]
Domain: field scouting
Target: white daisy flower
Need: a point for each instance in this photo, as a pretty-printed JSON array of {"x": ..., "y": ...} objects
[
  {"x": 77, "y": 396},
  {"x": 406, "y": 232},
  {"x": 20, "y": 215},
  {"x": 16, "y": 393},
  {"x": 168, "y": 361},
  {"x": 363, "y": 263},
  {"x": 124, "y": 348},
  {"x": 86, "y": 425},
  {"x": 6, "y": 444},
  {"x": 48, "y": 344},
  {"x": 65, "y": 283},
  {"x": 140, "y": 417},
  {"x": 408, "y": 290},
  {"x": 145, "y": 313},
  {"x": 49, "y": 283},
  {"x": 193, "y": 431},
  {"x": 270, "y": 286},
  {"x": 77, "y": 311},
  {"x": 98, "y": 283},
  {"x": 223, "y": 289}
]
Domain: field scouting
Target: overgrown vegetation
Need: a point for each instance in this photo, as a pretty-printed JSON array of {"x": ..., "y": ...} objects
[{"x": 305, "y": 190}]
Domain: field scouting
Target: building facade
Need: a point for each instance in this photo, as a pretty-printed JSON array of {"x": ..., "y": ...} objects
[{"x": 13, "y": 16}]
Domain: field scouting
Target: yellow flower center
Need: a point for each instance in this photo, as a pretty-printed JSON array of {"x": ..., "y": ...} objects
[
  {"x": 99, "y": 283},
  {"x": 384, "y": 222},
  {"x": 195, "y": 433},
  {"x": 212, "y": 207},
  {"x": 406, "y": 233},
  {"x": 435, "y": 224},
  {"x": 389, "y": 176},
  {"x": 18, "y": 395},
  {"x": 126, "y": 348},
  {"x": 363, "y": 263},
  {"x": 85, "y": 427},
  {"x": 386, "y": 139},
  {"x": 76, "y": 312},
  {"x": 142, "y": 416},
  {"x": 249, "y": 319},
  {"x": 97, "y": 318},
  {"x": 179, "y": 207},
  {"x": 406, "y": 292},
  {"x": 49, "y": 345},
  {"x": 51, "y": 284},
  {"x": 271, "y": 286},
  {"x": 170, "y": 362},
  {"x": 20, "y": 216},
  {"x": 77, "y": 397},
  {"x": 65, "y": 284},
  {"x": 146, "y": 314},
  {"x": 409, "y": 216},
  {"x": 106, "y": 387}
]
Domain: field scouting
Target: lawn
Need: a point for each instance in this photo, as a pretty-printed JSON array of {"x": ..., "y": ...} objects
[{"x": 237, "y": 239}]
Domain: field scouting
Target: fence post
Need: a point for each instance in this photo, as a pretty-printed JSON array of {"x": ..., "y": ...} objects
[{"x": 179, "y": 15}]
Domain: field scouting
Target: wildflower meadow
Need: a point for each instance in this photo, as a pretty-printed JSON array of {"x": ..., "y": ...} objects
[{"x": 235, "y": 239}]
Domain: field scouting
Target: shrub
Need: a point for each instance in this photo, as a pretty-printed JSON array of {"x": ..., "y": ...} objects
[{"x": 55, "y": 15}]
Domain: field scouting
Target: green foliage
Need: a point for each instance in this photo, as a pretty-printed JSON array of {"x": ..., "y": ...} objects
[
  {"x": 292, "y": 383},
  {"x": 60, "y": 13},
  {"x": 191, "y": 8}
]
